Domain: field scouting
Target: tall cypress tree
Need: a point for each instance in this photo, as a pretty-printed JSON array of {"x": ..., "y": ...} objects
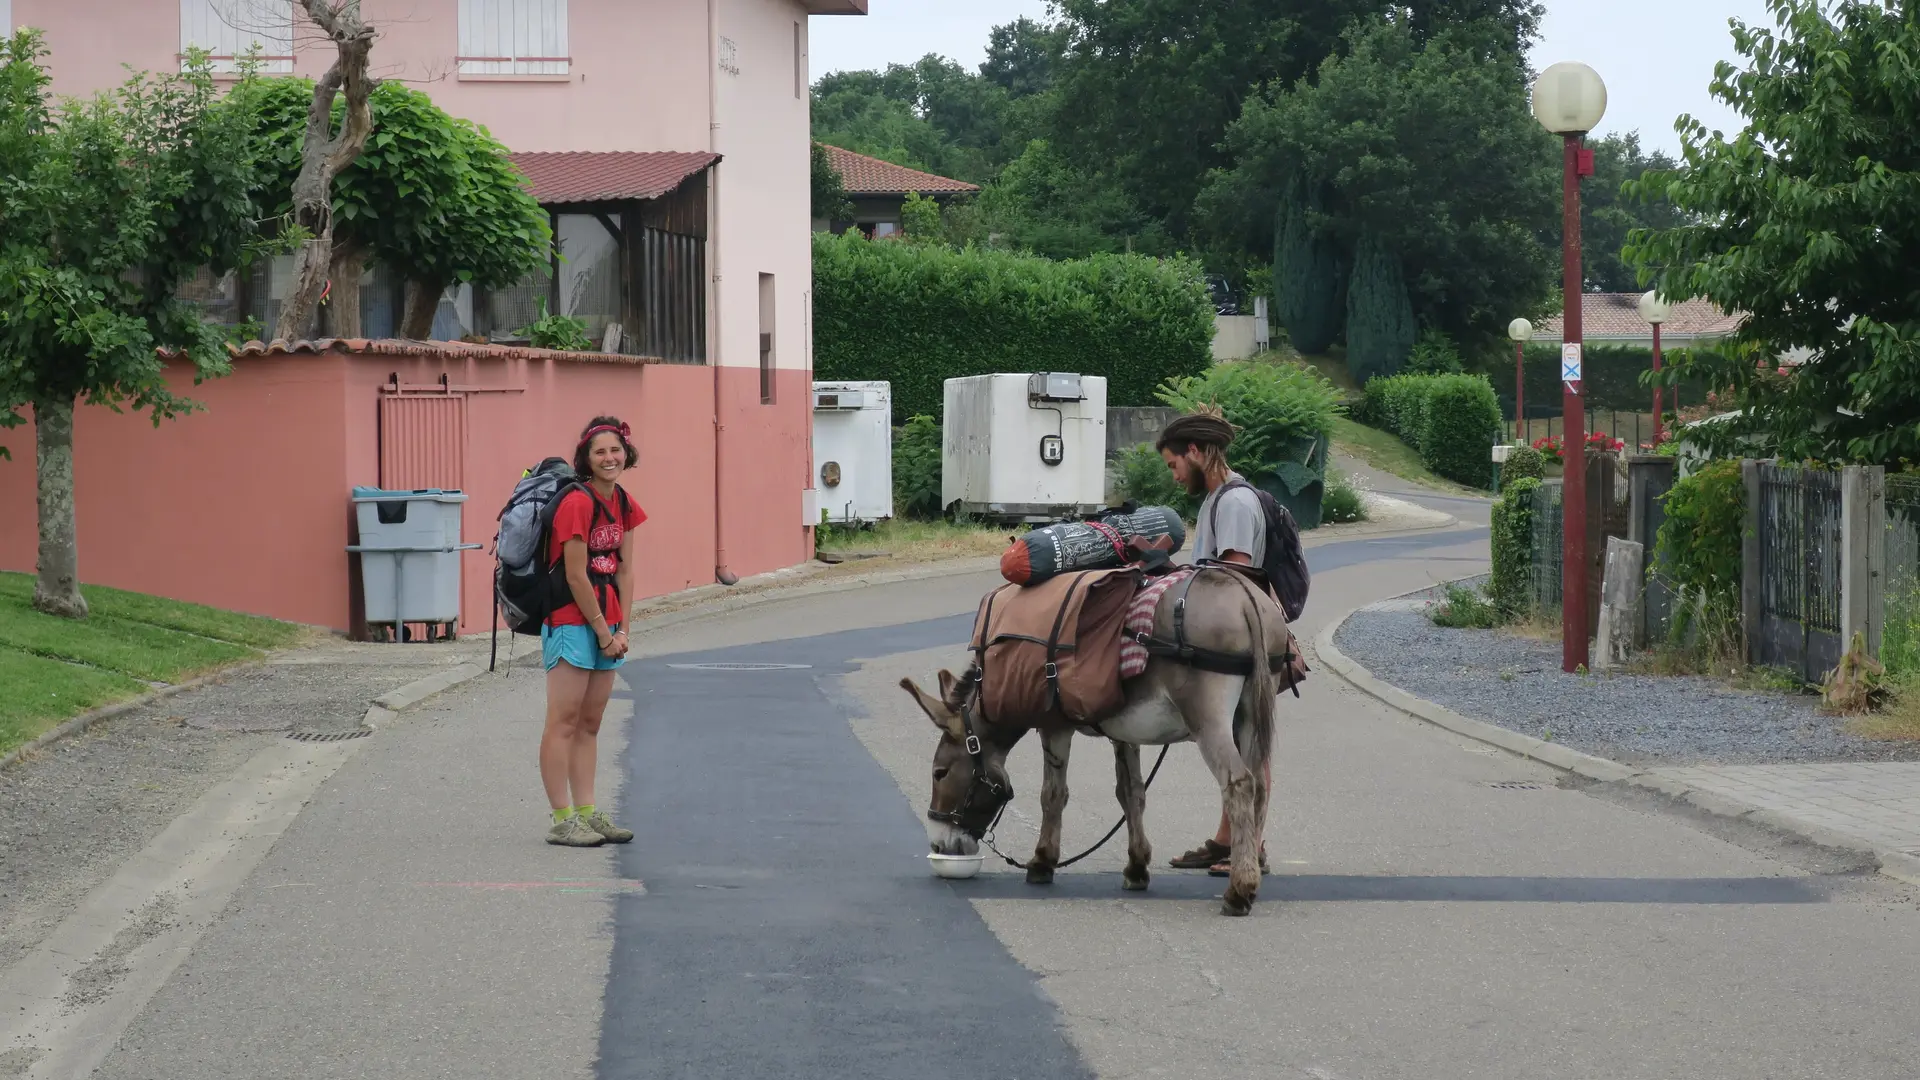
[
  {"x": 1381, "y": 328},
  {"x": 1306, "y": 272}
]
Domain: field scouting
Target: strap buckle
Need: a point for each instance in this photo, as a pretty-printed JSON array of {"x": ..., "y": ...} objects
[
  {"x": 1053, "y": 671},
  {"x": 973, "y": 745}
]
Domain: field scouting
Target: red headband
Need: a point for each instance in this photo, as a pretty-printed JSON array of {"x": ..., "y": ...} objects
[{"x": 623, "y": 431}]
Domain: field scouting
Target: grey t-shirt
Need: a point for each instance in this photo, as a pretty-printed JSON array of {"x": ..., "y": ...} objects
[{"x": 1239, "y": 523}]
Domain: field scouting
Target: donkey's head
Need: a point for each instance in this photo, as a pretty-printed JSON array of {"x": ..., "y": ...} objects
[{"x": 970, "y": 782}]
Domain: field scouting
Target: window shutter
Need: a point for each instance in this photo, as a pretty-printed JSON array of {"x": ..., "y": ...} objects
[
  {"x": 229, "y": 28},
  {"x": 513, "y": 37}
]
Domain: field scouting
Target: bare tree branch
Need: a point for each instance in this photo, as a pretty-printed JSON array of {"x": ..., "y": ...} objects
[{"x": 324, "y": 154}]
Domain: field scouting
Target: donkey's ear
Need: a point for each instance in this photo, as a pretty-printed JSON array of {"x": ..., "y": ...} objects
[
  {"x": 947, "y": 684},
  {"x": 936, "y": 710}
]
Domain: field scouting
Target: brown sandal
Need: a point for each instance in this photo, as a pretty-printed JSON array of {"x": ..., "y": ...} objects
[
  {"x": 1224, "y": 868},
  {"x": 1202, "y": 857}
]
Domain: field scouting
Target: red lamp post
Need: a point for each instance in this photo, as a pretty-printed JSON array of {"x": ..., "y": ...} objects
[
  {"x": 1655, "y": 311},
  {"x": 1569, "y": 99},
  {"x": 1521, "y": 331}
]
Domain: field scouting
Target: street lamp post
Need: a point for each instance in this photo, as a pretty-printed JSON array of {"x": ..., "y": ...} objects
[
  {"x": 1521, "y": 331},
  {"x": 1569, "y": 99},
  {"x": 1655, "y": 311}
]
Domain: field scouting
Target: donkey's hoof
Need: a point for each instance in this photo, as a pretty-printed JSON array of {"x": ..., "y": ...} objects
[
  {"x": 1039, "y": 875},
  {"x": 1237, "y": 903},
  {"x": 1135, "y": 882}
]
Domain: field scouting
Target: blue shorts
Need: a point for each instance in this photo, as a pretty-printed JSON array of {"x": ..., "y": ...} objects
[{"x": 578, "y": 645}]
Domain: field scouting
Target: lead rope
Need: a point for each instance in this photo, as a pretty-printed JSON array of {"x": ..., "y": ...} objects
[{"x": 1018, "y": 865}]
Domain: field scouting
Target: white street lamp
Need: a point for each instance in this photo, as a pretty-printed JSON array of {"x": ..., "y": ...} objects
[
  {"x": 1655, "y": 311},
  {"x": 1569, "y": 99},
  {"x": 1521, "y": 331}
]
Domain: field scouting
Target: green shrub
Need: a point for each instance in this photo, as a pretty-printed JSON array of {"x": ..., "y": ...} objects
[
  {"x": 1342, "y": 502},
  {"x": 916, "y": 470},
  {"x": 1523, "y": 463},
  {"x": 1511, "y": 586},
  {"x": 1452, "y": 420},
  {"x": 1465, "y": 609},
  {"x": 1145, "y": 479},
  {"x": 1433, "y": 354},
  {"x": 1612, "y": 376},
  {"x": 917, "y": 315},
  {"x": 1282, "y": 412},
  {"x": 1700, "y": 548}
]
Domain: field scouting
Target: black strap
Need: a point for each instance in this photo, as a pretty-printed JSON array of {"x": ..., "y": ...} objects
[{"x": 1053, "y": 643}]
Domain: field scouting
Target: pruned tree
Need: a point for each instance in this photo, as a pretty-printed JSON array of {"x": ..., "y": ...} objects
[
  {"x": 324, "y": 153},
  {"x": 110, "y": 204}
]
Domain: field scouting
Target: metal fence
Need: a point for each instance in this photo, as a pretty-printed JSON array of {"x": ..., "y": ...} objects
[
  {"x": 1900, "y": 628},
  {"x": 1798, "y": 626},
  {"x": 1635, "y": 429},
  {"x": 1547, "y": 552}
]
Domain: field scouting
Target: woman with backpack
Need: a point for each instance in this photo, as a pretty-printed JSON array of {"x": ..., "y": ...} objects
[{"x": 584, "y": 639}]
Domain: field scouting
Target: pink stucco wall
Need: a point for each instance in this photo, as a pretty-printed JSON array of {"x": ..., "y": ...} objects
[
  {"x": 642, "y": 75},
  {"x": 245, "y": 505}
]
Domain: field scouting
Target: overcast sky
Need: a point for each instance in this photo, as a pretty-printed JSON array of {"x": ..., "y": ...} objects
[{"x": 1656, "y": 55}]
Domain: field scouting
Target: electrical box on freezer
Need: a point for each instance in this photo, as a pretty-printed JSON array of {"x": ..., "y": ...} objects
[
  {"x": 1025, "y": 448},
  {"x": 853, "y": 451}
]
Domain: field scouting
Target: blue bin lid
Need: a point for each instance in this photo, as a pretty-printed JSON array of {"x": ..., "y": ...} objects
[{"x": 374, "y": 494}]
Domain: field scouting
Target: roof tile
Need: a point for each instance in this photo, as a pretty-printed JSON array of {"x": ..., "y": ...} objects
[
  {"x": 1617, "y": 315},
  {"x": 863, "y": 175},
  {"x": 435, "y": 350},
  {"x": 582, "y": 176}
]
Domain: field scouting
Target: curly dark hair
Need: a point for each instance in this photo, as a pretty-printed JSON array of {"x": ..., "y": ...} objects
[{"x": 580, "y": 464}]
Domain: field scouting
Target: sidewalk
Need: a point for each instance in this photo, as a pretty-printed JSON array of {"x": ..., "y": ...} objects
[{"x": 1771, "y": 760}]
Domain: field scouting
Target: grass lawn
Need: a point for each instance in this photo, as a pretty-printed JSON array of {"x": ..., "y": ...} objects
[
  {"x": 1389, "y": 454},
  {"x": 56, "y": 668},
  {"x": 917, "y": 541}
]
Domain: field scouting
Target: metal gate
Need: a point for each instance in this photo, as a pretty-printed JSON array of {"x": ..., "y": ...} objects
[
  {"x": 1799, "y": 534},
  {"x": 423, "y": 441}
]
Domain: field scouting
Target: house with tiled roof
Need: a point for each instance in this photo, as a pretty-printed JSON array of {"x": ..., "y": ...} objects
[
  {"x": 1614, "y": 319},
  {"x": 878, "y": 189}
]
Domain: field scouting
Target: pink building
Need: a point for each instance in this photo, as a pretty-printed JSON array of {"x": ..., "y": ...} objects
[{"x": 669, "y": 139}]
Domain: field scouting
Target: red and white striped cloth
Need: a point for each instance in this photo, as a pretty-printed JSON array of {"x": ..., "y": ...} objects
[{"x": 1133, "y": 655}]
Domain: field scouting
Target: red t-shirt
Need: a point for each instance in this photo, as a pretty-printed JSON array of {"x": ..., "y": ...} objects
[{"x": 571, "y": 520}]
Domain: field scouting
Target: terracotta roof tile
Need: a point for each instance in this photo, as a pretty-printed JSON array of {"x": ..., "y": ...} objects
[
  {"x": 437, "y": 350},
  {"x": 580, "y": 176},
  {"x": 1617, "y": 315},
  {"x": 865, "y": 175}
]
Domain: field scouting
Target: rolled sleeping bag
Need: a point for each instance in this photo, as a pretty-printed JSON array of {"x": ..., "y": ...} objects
[{"x": 1089, "y": 545}]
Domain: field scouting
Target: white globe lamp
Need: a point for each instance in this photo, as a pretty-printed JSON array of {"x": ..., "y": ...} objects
[{"x": 1569, "y": 98}]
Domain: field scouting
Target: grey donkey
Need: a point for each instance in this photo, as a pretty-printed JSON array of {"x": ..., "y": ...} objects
[{"x": 1227, "y": 621}]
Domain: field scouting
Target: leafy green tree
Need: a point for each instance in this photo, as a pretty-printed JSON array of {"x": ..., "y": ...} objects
[
  {"x": 1430, "y": 147},
  {"x": 932, "y": 115},
  {"x": 1023, "y": 55},
  {"x": 920, "y": 220},
  {"x": 1308, "y": 272},
  {"x": 109, "y": 205},
  {"x": 1608, "y": 213},
  {"x": 829, "y": 188},
  {"x": 1806, "y": 221},
  {"x": 432, "y": 196},
  {"x": 1042, "y": 204}
]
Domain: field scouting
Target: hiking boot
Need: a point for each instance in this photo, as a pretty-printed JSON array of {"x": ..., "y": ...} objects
[
  {"x": 574, "y": 833},
  {"x": 607, "y": 830}
]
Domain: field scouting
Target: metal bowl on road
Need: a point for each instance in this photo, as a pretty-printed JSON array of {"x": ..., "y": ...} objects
[{"x": 955, "y": 866}]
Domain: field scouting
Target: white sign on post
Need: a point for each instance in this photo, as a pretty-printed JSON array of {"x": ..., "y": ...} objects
[{"x": 1570, "y": 364}]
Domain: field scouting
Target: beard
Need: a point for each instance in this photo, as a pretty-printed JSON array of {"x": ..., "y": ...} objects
[{"x": 1195, "y": 483}]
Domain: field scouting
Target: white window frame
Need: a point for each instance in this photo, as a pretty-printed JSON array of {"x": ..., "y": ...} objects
[
  {"x": 6, "y": 17},
  {"x": 514, "y": 38},
  {"x": 228, "y": 28}
]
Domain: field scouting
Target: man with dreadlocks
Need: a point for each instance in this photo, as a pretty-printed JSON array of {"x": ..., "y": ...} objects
[{"x": 1231, "y": 527}]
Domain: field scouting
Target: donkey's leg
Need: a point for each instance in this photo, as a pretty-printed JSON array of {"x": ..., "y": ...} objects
[
  {"x": 1209, "y": 703},
  {"x": 1250, "y": 752},
  {"x": 1054, "y": 747},
  {"x": 1131, "y": 789}
]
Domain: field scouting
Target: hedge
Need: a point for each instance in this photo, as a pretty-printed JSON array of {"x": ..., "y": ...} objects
[
  {"x": 917, "y": 315},
  {"x": 1452, "y": 420},
  {"x": 1611, "y": 378},
  {"x": 1700, "y": 547},
  {"x": 1510, "y": 587}
]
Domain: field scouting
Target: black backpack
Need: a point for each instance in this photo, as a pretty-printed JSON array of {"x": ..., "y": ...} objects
[
  {"x": 528, "y": 584},
  {"x": 1285, "y": 562}
]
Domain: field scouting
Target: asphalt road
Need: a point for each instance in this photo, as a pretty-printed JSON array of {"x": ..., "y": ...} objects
[{"x": 1436, "y": 911}]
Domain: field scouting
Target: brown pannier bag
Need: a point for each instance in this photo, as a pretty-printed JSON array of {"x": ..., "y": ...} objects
[{"x": 1053, "y": 649}]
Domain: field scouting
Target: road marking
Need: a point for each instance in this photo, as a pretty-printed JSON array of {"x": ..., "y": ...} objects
[{"x": 624, "y": 885}]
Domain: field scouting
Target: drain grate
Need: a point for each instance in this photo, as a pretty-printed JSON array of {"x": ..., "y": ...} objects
[
  {"x": 1515, "y": 785},
  {"x": 741, "y": 667},
  {"x": 329, "y": 736}
]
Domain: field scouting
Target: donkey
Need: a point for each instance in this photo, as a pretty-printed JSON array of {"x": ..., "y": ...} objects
[{"x": 1201, "y": 684}]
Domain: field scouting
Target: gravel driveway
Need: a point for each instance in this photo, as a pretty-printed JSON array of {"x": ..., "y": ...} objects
[{"x": 1515, "y": 682}]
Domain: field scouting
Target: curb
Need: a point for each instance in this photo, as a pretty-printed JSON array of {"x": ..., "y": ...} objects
[
  {"x": 75, "y": 725},
  {"x": 1894, "y": 864}
]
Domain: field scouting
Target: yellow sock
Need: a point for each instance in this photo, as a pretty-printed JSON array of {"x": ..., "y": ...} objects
[
  {"x": 584, "y": 811},
  {"x": 562, "y": 814}
]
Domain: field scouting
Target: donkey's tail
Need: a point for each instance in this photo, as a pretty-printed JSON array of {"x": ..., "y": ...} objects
[{"x": 1261, "y": 689}]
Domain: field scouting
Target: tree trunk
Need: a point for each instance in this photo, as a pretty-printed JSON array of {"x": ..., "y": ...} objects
[
  {"x": 343, "y": 303},
  {"x": 323, "y": 154},
  {"x": 57, "y": 592},
  {"x": 423, "y": 302}
]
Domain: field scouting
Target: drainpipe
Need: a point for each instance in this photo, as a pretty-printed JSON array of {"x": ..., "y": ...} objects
[{"x": 720, "y": 572}]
